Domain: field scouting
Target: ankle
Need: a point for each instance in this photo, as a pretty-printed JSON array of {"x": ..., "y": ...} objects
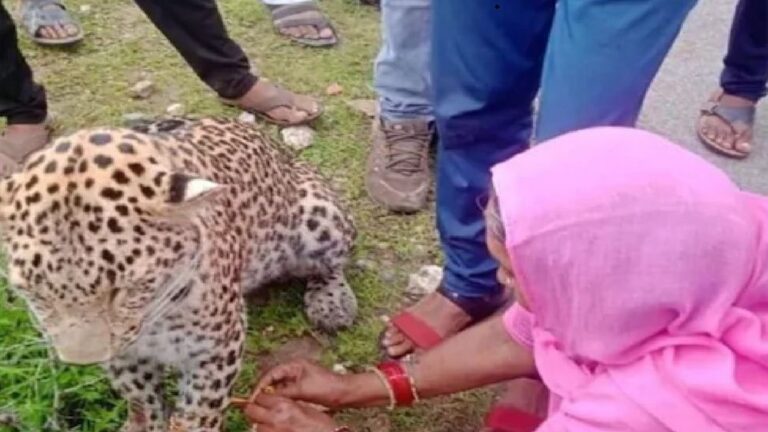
[
  {"x": 24, "y": 128},
  {"x": 737, "y": 101}
]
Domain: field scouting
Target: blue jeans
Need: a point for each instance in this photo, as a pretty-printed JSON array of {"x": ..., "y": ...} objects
[
  {"x": 401, "y": 72},
  {"x": 746, "y": 63},
  {"x": 594, "y": 61}
]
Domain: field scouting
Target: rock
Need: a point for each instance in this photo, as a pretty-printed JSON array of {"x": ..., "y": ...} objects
[
  {"x": 365, "y": 106},
  {"x": 142, "y": 89},
  {"x": 176, "y": 109},
  {"x": 85, "y": 8},
  {"x": 298, "y": 137},
  {"x": 246, "y": 117},
  {"x": 334, "y": 89},
  {"x": 425, "y": 281},
  {"x": 340, "y": 369},
  {"x": 365, "y": 265},
  {"x": 387, "y": 274},
  {"x": 135, "y": 119}
]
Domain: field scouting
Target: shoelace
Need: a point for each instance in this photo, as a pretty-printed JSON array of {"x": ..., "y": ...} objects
[{"x": 405, "y": 149}]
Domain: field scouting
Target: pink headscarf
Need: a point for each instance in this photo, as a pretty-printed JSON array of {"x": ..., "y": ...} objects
[{"x": 646, "y": 269}]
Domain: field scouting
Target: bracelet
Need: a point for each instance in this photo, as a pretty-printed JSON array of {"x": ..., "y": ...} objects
[
  {"x": 399, "y": 381},
  {"x": 408, "y": 364},
  {"x": 390, "y": 392}
]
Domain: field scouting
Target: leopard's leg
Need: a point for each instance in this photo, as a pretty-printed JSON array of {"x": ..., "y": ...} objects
[
  {"x": 140, "y": 381},
  {"x": 327, "y": 234},
  {"x": 206, "y": 381},
  {"x": 329, "y": 301}
]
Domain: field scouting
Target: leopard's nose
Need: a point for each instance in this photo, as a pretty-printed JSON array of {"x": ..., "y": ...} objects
[{"x": 84, "y": 341}]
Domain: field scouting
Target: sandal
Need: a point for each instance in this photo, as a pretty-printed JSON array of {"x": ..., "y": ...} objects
[
  {"x": 38, "y": 14},
  {"x": 424, "y": 337},
  {"x": 278, "y": 98},
  {"x": 739, "y": 119},
  {"x": 302, "y": 14},
  {"x": 14, "y": 151}
]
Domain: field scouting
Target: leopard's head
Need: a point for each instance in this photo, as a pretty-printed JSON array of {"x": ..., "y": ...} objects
[{"x": 101, "y": 233}]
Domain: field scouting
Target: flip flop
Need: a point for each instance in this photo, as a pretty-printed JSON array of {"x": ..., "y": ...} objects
[
  {"x": 36, "y": 14},
  {"x": 734, "y": 117},
  {"x": 302, "y": 14},
  {"x": 424, "y": 337},
  {"x": 280, "y": 97}
]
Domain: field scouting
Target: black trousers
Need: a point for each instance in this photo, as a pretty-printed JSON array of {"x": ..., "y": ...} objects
[
  {"x": 194, "y": 27},
  {"x": 196, "y": 30},
  {"x": 746, "y": 64},
  {"x": 21, "y": 100}
]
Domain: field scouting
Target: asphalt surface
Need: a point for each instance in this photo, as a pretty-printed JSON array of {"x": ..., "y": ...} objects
[{"x": 689, "y": 75}]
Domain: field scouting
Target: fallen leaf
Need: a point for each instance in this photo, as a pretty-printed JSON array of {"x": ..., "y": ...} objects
[{"x": 334, "y": 89}]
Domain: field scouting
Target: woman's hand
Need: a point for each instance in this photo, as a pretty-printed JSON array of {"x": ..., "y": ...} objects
[
  {"x": 278, "y": 414},
  {"x": 305, "y": 381}
]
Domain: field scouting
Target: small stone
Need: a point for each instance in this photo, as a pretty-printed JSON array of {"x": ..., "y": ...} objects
[
  {"x": 246, "y": 117},
  {"x": 142, "y": 89},
  {"x": 365, "y": 106},
  {"x": 334, "y": 89},
  {"x": 269, "y": 329},
  {"x": 176, "y": 109},
  {"x": 85, "y": 8},
  {"x": 298, "y": 137},
  {"x": 340, "y": 369},
  {"x": 134, "y": 119},
  {"x": 365, "y": 265},
  {"x": 425, "y": 281},
  {"x": 387, "y": 275}
]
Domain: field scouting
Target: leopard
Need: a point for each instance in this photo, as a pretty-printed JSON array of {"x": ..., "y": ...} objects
[{"x": 136, "y": 249}]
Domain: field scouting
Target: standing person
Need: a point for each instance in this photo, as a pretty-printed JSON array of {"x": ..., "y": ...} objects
[
  {"x": 594, "y": 61},
  {"x": 196, "y": 30},
  {"x": 398, "y": 176},
  {"x": 727, "y": 121},
  {"x": 22, "y": 101}
]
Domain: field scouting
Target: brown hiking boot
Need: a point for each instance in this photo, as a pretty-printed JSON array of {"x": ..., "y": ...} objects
[{"x": 398, "y": 175}]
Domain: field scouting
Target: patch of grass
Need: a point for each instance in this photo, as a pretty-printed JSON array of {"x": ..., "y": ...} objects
[{"x": 88, "y": 86}]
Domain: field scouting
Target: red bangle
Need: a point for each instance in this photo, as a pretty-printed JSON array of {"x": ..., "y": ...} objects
[{"x": 399, "y": 382}]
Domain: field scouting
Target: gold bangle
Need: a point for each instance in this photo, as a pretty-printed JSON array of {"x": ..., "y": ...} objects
[{"x": 385, "y": 382}]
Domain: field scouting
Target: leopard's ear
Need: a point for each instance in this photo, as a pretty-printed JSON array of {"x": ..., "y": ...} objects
[{"x": 185, "y": 189}]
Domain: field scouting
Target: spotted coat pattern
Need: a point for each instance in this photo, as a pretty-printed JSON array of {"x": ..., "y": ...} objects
[{"x": 101, "y": 222}]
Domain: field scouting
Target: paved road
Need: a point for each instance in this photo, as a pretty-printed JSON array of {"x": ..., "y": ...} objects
[{"x": 687, "y": 78}]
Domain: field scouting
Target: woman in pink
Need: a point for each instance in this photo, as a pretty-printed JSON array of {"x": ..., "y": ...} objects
[{"x": 641, "y": 273}]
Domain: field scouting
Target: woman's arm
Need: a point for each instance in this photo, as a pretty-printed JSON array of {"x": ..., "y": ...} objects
[{"x": 481, "y": 355}]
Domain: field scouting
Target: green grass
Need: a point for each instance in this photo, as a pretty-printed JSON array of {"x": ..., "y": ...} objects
[{"x": 89, "y": 85}]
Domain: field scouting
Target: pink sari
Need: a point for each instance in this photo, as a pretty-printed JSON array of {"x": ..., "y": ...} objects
[{"x": 646, "y": 269}]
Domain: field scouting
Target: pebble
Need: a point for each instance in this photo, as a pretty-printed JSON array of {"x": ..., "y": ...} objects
[
  {"x": 246, "y": 117},
  {"x": 142, "y": 89},
  {"x": 425, "y": 281},
  {"x": 134, "y": 119},
  {"x": 340, "y": 369},
  {"x": 176, "y": 109},
  {"x": 298, "y": 137},
  {"x": 85, "y": 8}
]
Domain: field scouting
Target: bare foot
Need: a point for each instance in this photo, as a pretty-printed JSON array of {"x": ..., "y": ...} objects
[
  {"x": 308, "y": 32},
  {"x": 734, "y": 136},
  {"x": 280, "y": 105},
  {"x": 438, "y": 312},
  {"x": 60, "y": 24}
]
